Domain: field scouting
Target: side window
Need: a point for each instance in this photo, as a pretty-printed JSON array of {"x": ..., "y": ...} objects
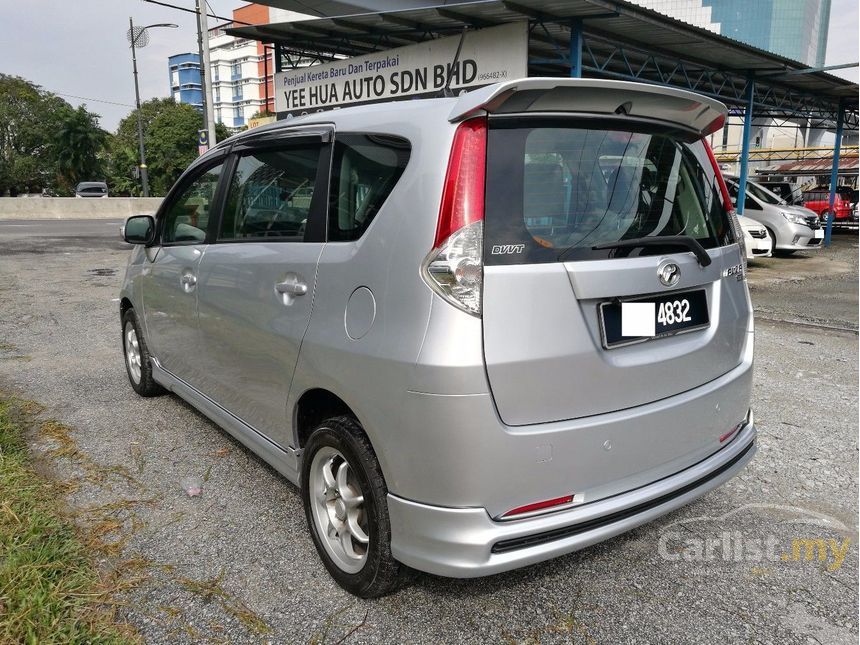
[
  {"x": 270, "y": 195},
  {"x": 365, "y": 169},
  {"x": 187, "y": 217},
  {"x": 750, "y": 204}
]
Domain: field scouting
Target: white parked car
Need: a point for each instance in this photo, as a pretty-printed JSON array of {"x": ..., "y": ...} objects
[{"x": 757, "y": 241}]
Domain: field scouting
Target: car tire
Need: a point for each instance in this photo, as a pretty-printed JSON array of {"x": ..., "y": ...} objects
[
  {"x": 353, "y": 538},
  {"x": 138, "y": 362}
]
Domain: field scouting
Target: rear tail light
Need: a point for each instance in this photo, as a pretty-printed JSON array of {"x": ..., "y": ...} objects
[
  {"x": 737, "y": 231},
  {"x": 454, "y": 268}
]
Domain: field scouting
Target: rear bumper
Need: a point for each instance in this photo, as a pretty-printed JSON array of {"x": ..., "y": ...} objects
[{"x": 467, "y": 543}]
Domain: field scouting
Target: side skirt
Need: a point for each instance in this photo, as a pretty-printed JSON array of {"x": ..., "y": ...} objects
[{"x": 284, "y": 461}]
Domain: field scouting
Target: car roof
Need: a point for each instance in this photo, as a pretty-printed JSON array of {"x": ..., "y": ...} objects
[
  {"x": 91, "y": 184},
  {"x": 359, "y": 116}
]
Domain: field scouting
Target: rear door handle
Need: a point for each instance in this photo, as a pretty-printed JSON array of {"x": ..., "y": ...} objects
[{"x": 293, "y": 288}]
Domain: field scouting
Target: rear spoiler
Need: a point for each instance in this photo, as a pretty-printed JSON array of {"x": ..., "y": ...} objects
[{"x": 596, "y": 96}]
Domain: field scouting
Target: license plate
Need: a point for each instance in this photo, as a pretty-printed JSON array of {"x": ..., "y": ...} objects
[
  {"x": 818, "y": 234},
  {"x": 634, "y": 321}
]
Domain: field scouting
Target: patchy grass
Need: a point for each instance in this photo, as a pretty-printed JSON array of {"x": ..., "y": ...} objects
[
  {"x": 50, "y": 590},
  {"x": 65, "y": 447},
  {"x": 211, "y": 589}
]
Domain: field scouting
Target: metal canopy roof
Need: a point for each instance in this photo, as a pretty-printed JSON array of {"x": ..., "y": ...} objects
[
  {"x": 848, "y": 166},
  {"x": 621, "y": 40}
]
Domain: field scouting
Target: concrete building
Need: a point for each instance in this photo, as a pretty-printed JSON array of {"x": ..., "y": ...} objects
[
  {"x": 241, "y": 70},
  {"x": 796, "y": 29},
  {"x": 185, "y": 79}
]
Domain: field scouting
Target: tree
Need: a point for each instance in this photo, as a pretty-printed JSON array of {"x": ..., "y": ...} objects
[
  {"x": 79, "y": 143},
  {"x": 29, "y": 121},
  {"x": 170, "y": 138}
]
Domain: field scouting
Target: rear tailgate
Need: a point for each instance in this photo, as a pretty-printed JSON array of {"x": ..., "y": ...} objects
[{"x": 558, "y": 186}]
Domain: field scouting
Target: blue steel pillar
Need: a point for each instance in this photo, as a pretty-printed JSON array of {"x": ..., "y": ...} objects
[
  {"x": 745, "y": 149},
  {"x": 576, "y": 48},
  {"x": 834, "y": 172}
]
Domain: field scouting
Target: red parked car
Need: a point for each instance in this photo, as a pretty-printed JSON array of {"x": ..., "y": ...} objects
[{"x": 818, "y": 200}]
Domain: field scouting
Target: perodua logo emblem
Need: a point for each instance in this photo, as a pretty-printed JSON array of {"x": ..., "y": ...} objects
[{"x": 669, "y": 274}]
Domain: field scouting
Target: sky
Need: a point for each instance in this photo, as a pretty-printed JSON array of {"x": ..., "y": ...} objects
[{"x": 78, "y": 48}]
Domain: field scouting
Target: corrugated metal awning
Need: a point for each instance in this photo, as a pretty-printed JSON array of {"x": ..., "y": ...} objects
[
  {"x": 848, "y": 165},
  {"x": 606, "y": 23}
]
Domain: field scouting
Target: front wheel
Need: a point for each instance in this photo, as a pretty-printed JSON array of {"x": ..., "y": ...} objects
[
  {"x": 345, "y": 500},
  {"x": 138, "y": 362}
]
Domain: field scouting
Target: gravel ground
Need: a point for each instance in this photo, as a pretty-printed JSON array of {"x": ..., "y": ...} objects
[{"x": 237, "y": 565}]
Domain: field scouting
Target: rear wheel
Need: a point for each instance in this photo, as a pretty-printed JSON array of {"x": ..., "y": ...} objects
[
  {"x": 344, "y": 496},
  {"x": 138, "y": 363}
]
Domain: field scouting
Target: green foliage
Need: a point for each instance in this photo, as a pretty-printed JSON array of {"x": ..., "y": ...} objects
[
  {"x": 170, "y": 139},
  {"x": 49, "y": 588},
  {"x": 79, "y": 143},
  {"x": 47, "y": 144},
  {"x": 30, "y": 119}
]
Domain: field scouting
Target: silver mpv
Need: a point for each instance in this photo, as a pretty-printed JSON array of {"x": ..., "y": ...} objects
[{"x": 478, "y": 332}]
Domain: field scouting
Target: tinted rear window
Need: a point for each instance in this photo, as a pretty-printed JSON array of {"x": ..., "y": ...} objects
[
  {"x": 365, "y": 169},
  {"x": 555, "y": 190}
]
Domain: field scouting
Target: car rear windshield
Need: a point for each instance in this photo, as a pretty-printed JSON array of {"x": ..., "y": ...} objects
[
  {"x": 557, "y": 189},
  {"x": 93, "y": 189}
]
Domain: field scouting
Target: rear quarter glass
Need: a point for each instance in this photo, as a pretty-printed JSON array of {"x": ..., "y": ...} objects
[{"x": 556, "y": 188}]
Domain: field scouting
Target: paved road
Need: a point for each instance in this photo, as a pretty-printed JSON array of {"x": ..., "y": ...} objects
[
  {"x": 52, "y": 236},
  {"x": 236, "y": 564},
  {"x": 817, "y": 287}
]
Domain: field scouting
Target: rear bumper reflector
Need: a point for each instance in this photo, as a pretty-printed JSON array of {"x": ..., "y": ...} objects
[{"x": 505, "y": 546}]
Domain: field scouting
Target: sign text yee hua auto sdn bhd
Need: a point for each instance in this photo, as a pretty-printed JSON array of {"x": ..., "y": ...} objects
[{"x": 487, "y": 56}]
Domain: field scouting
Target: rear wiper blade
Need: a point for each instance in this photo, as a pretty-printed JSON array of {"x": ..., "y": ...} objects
[{"x": 685, "y": 241}]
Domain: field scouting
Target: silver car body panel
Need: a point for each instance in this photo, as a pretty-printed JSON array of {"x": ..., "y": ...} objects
[
  {"x": 545, "y": 359},
  {"x": 284, "y": 460},
  {"x": 787, "y": 236},
  {"x": 458, "y": 542},
  {"x": 171, "y": 308},
  {"x": 416, "y": 378},
  {"x": 251, "y": 333}
]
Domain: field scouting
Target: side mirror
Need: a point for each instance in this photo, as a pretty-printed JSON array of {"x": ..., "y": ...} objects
[{"x": 139, "y": 229}]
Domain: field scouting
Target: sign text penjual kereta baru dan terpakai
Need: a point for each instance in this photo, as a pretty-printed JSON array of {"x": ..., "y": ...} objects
[{"x": 487, "y": 56}]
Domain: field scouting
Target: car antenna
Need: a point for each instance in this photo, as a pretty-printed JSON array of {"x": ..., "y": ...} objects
[{"x": 446, "y": 91}]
